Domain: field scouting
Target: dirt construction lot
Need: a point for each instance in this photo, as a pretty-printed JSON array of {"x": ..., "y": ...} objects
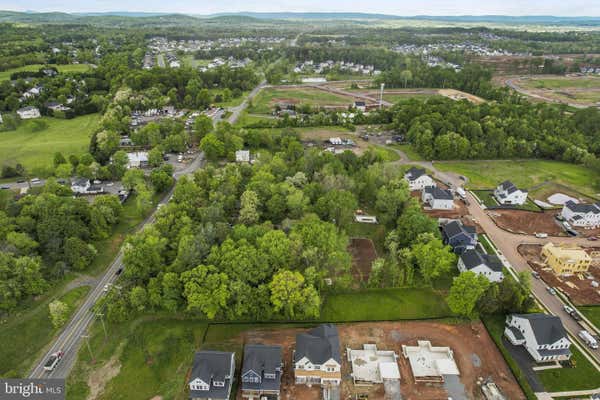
[
  {"x": 577, "y": 287},
  {"x": 474, "y": 351},
  {"x": 363, "y": 254},
  {"x": 527, "y": 222}
]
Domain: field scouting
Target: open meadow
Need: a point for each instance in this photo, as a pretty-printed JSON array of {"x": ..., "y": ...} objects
[
  {"x": 269, "y": 97},
  {"x": 62, "y": 68},
  {"x": 35, "y": 148}
]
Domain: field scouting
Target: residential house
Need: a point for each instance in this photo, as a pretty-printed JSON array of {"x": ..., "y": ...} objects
[
  {"x": 28, "y": 112},
  {"x": 458, "y": 236},
  {"x": 212, "y": 375},
  {"x": 80, "y": 185},
  {"x": 488, "y": 265},
  {"x": 242, "y": 156},
  {"x": 508, "y": 194},
  {"x": 371, "y": 365},
  {"x": 137, "y": 159},
  {"x": 582, "y": 215},
  {"x": 566, "y": 259},
  {"x": 360, "y": 106},
  {"x": 261, "y": 372},
  {"x": 417, "y": 179},
  {"x": 54, "y": 106},
  {"x": 317, "y": 359},
  {"x": 542, "y": 335},
  {"x": 437, "y": 199}
]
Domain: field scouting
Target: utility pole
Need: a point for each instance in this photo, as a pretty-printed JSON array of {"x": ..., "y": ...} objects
[
  {"x": 103, "y": 326},
  {"x": 87, "y": 341},
  {"x": 381, "y": 96}
]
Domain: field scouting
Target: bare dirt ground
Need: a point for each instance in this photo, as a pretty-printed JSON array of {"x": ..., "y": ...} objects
[
  {"x": 475, "y": 354},
  {"x": 577, "y": 287},
  {"x": 458, "y": 95},
  {"x": 363, "y": 254},
  {"x": 100, "y": 377},
  {"x": 318, "y": 136},
  {"x": 527, "y": 222},
  {"x": 459, "y": 212}
]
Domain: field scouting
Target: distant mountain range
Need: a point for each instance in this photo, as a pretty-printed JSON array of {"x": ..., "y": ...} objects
[{"x": 58, "y": 17}]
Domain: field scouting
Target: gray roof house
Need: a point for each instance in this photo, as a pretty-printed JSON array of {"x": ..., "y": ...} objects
[
  {"x": 212, "y": 375},
  {"x": 437, "y": 199},
  {"x": 542, "y": 335},
  {"x": 508, "y": 194},
  {"x": 460, "y": 237},
  {"x": 418, "y": 179},
  {"x": 261, "y": 371},
  {"x": 317, "y": 358},
  {"x": 582, "y": 214},
  {"x": 480, "y": 263}
]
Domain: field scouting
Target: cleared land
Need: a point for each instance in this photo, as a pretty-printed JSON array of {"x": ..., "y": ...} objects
[
  {"x": 572, "y": 89},
  {"x": 363, "y": 254},
  {"x": 579, "y": 291},
  {"x": 526, "y": 174},
  {"x": 153, "y": 357},
  {"x": 527, "y": 222},
  {"x": 66, "y": 68},
  {"x": 35, "y": 149},
  {"x": 266, "y": 100}
]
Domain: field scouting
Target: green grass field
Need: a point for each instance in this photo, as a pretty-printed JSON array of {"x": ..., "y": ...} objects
[
  {"x": 582, "y": 377},
  {"x": 35, "y": 150},
  {"x": 562, "y": 82},
  {"x": 266, "y": 99},
  {"x": 525, "y": 174},
  {"x": 592, "y": 313},
  {"x": 385, "y": 304},
  {"x": 410, "y": 152},
  {"x": 5, "y": 75},
  {"x": 26, "y": 333}
]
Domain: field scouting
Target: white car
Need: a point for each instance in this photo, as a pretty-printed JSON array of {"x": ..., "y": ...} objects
[
  {"x": 541, "y": 235},
  {"x": 53, "y": 361}
]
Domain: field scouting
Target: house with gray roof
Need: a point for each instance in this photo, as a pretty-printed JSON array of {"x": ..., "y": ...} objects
[
  {"x": 418, "y": 179},
  {"x": 542, "y": 335},
  {"x": 212, "y": 375},
  {"x": 508, "y": 194},
  {"x": 459, "y": 236},
  {"x": 437, "y": 199},
  {"x": 488, "y": 265},
  {"x": 582, "y": 215},
  {"x": 261, "y": 372},
  {"x": 317, "y": 359}
]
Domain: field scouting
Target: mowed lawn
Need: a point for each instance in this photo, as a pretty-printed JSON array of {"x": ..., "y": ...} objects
[
  {"x": 35, "y": 150},
  {"x": 66, "y": 68},
  {"x": 561, "y": 82},
  {"x": 525, "y": 174},
  {"x": 384, "y": 304},
  {"x": 267, "y": 98},
  {"x": 592, "y": 313}
]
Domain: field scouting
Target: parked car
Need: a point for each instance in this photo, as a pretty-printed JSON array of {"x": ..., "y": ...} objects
[
  {"x": 4, "y": 187},
  {"x": 535, "y": 274},
  {"x": 541, "y": 235},
  {"x": 592, "y": 238},
  {"x": 35, "y": 180},
  {"x": 559, "y": 217},
  {"x": 588, "y": 339},
  {"x": 568, "y": 309},
  {"x": 551, "y": 291},
  {"x": 53, "y": 361}
]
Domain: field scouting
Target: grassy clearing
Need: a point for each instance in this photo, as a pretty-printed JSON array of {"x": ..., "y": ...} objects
[
  {"x": 266, "y": 99},
  {"x": 561, "y": 82},
  {"x": 385, "y": 304},
  {"x": 410, "y": 152},
  {"x": 26, "y": 333},
  {"x": 35, "y": 150},
  {"x": 592, "y": 313},
  {"x": 67, "y": 68},
  {"x": 525, "y": 174},
  {"x": 397, "y": 97},
  {"x": 487, "y": 197},
  {"x": 375, "y": 232},
  {"x": 582, "y": 377},
  {"x": 487, "y": 244}
]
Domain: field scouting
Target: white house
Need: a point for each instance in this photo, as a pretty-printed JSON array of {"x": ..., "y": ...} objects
[
  {"x": 137, "y": 159},
  {"x": 507, "y": 193},
  {"x": 542, "y": 335},
  {"x": 80, "y": 185},
  {"x": 317, "y": 359},
  {"x": 437, "y": 199},
  {"x": 242, "y": 156},
  {"x": 417, "y": 179},
  {"x": 487, "y": 265},
  {"x": 212, "y": 375},
  {"x": 582, "y": 215},
  {"x": 29, "y": 112}
]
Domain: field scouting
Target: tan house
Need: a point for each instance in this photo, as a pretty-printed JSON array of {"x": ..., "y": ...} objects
[
  {"x": 566, "y": 259},
  {"x": 317, "y": 359}
]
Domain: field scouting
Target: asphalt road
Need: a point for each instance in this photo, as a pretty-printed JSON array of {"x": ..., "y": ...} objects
[
  {"x": 507, "y": 243},
  {"x": 71, "y": 338},
  {"x": 237, "y": 111}
]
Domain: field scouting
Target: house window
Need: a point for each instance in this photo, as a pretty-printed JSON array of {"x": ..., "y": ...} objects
[{"x": 219, "y": 383}]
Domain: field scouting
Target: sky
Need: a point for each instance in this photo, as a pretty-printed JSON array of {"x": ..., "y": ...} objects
[{"x": 586, "y": 8}]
